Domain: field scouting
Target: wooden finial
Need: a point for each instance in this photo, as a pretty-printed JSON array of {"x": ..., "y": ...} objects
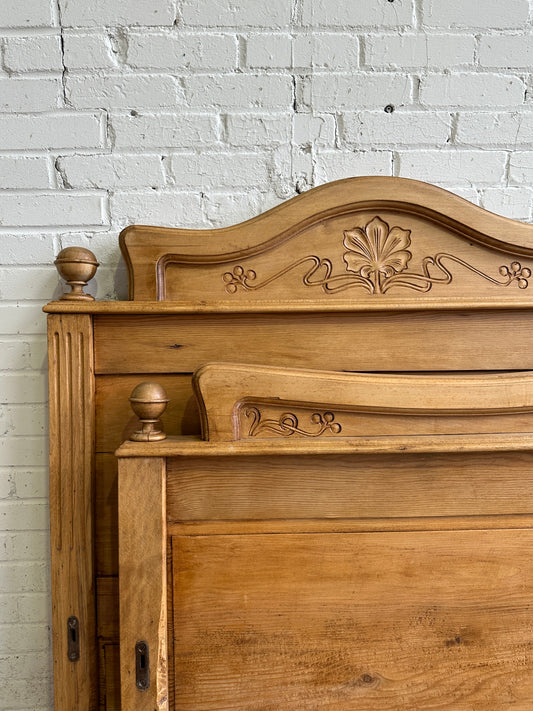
[
  {"x": 77, "y": 266},
  {"x": 148, "y": 402}
]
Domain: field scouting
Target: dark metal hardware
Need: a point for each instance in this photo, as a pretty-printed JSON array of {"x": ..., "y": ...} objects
[
  {"x": 73, "y": 639},
  {"x": 142, "y": 666}
]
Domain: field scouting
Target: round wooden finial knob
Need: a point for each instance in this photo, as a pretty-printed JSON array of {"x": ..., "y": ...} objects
[
  {"x": 77, "y": 266},
  {"x": 148, "y": 402}
]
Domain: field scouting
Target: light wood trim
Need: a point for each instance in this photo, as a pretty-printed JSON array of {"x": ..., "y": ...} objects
[
  {"x": 194, "y": 447},
  {"x": 362, "y": 525},
  {"x": 225, "y": 389},
  {"x": 71, "y": 385},
  {"x": 294, "y": 306},
  {"x": 143, "y": 579}
]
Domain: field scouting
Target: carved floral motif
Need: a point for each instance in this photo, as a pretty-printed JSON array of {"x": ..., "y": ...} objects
[
  {"x": 287, "y": 424},
  {"x": 377, "y": 253},
  {"x": 377, "y": 259}
]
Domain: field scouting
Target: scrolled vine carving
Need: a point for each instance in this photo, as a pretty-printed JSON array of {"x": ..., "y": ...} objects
[
  {"x": 377, "y": 259},
  {"x": 287, "y": 424}
]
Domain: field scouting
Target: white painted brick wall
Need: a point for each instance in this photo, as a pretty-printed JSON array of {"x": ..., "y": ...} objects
[{"x": 203, "y": 113}]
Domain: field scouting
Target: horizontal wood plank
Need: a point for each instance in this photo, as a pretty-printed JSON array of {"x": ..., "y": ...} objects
[
  {"x": 427, "y": 341},
  {"x": 233, "y": 488}
]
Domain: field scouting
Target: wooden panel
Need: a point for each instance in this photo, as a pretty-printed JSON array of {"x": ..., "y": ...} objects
[
  {"x": 106, "y": 515},
  {"x": 239, "y": 401},
  {"x": 116, "y": 421},
  {"x": 110, "y": 678},
  {"x": 345, "y": 342},
  {"x": 71, "y": 385},
  {"x": 107, "y": 607},
  {"x": 343, "y": 621},
  {"x": 285, "y": 487},
  {"x": 143, "y": 580},
  {"x": 369, "y": 234}
]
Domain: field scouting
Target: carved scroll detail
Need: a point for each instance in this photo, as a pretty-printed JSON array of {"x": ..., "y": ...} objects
[
  {"x": 377, "y": 260},
  {"x": 287, "y": 424}
]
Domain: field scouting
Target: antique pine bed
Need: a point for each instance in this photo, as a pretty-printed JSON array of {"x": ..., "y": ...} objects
[{"x": 341, "y": 513}]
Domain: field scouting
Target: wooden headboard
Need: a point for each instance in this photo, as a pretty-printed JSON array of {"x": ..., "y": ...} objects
[{"x": 365, "y": 275}]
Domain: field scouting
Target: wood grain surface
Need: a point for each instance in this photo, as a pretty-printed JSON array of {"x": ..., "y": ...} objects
[
  {"x": 376, "y": 621},
  {"x": 344, "y": 342},
  {"x": 336, "y": 486}
]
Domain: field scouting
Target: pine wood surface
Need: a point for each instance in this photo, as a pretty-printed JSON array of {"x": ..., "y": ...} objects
[
  {"x": 239, "y": 401},
  {"x": 366, "y": 275},
  {"x": 143, "y": 585},
  {"x": 339, "y": 486},
  {"x": 344, "y": 342},
  {"x": 342, "y": 621},
  {"x": 159, "y": 260},
  {"x": 71, "y": 387}
]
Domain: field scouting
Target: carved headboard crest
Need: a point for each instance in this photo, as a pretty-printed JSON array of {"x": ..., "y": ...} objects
[{"x": 372, "y": 242}]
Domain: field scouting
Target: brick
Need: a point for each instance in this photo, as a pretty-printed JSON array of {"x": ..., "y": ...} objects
[
  {"x": 218, "y": 169},
  {"x": 34, "y": 607},
  {"x": 87, "y": 50},
  {"x": 26, "y": 283},
  {"x": 238, "y": 13},
  {"x": 228, "y": 208},
  {"x": 479, "y": 128},
  {"x": 117, "y": 12},
  {"x": 22, "y": 319},
  {"x": 506, "y": 51},
  {"x": 22, "y": 419},
  {"x": 9, "y": 612},
  {"x": 58, "y": 209},
  {"x": 26, "y": 249},
  {"x": 111, "y": 171},
  {"x": 178, "y": 51},
  {"x": 28, "y": 666},
  {"x": 31, "y": 695},
  {"x": 23, "y": 387},
  {"x": 357, "y": 14},
  {"x": 258, "y": 129},
  {"x": 121, "y": 91},
  {"x": 29, "y": 94},
  {"x": 453, "y": 166},
  {"x": 30, "y": 13},
  {"x": 33, "y": 53},
  {"x": 492, "y": 14},
  {"x": 335, "y": 93},
  {"x": 399, "y": 128},
  {"x": 19, "y": 515},
  {"x": 419, "y": 50},
  {"x": 471, "y": 90},
  {"x": 31, "y": 545},
  {"x": 53, "y": 130},
  {"x": 509, "y": 202},
  {"x": 23, "y": 451},
  {"x": 164, "y": 130},
  {"x": 230, "y": 91},
  {"x": 166, "y": 208},
  {"x": 521, "y": 167},
  {"x": 269, "y": 50},
  {"x": 327, "y": 50},
  {"x": 24, "y": 172},
  {"x": 30, "y": 484},
  {"x": 335, "y": 165},
  {"x": 14, "y": 355},
  {"x": 21, "y": 638},
  {"x": 311, "y": 129}
]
